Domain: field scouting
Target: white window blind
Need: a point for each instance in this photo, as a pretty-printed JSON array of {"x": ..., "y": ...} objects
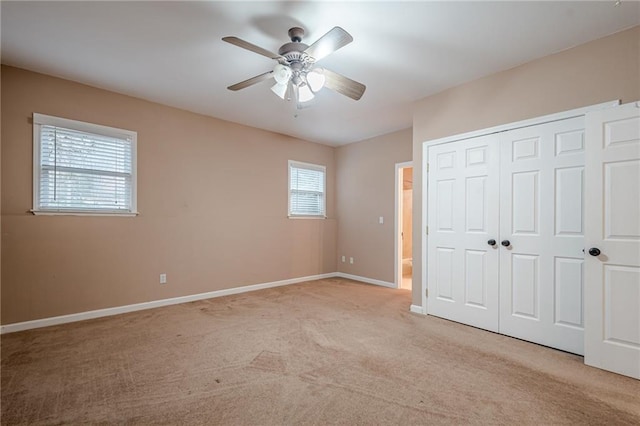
[
  {"x": 306, "y": 190},
  {"x": 83, "y": 167}
]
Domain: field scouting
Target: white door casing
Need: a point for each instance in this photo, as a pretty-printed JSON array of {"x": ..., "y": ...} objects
[
  {"x": 463, "y": 216},
  {"x": 541, "y": 215},
  {"x": 612, "y": 225}
]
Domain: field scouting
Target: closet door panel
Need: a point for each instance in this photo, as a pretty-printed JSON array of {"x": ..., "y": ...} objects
[
  {"x": 612, "y": 223},
  {"x": 525, "y": 296},
  {"x": 568, "y": 283},
  {"x": 541, "y": 215},
  {"x": 462, "y": 197}
]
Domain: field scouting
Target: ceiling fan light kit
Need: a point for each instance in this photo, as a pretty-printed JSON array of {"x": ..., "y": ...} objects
[
  {"x": 315, "y": 79},
  {"x": 296, "y": 75},
  {"x": 280, "y": 90},
  {"x": 304, "y": 93},
  {"x": 281, "y": 74}
]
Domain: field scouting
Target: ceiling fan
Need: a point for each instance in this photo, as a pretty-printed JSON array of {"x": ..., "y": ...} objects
[{"x": 296, "y": 74}]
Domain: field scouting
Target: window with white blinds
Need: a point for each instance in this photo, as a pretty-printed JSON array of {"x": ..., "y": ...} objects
[
  {"x": 83, "y": 168},
  {"x": 306, "y": 190}
]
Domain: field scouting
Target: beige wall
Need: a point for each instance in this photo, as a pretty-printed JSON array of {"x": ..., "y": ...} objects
[
  {"x": 366, "y": 190},
  {"x": 599, "y": 71},
  {"x": 212, "y": 197},
  {"x": 191, "y": 169}
]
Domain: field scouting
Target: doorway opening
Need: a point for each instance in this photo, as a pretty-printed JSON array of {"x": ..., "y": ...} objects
[{"x": 404, "y": 223}]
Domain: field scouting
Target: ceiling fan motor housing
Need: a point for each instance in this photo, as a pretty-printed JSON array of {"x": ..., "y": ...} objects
[{"x": 293, "y": 51}]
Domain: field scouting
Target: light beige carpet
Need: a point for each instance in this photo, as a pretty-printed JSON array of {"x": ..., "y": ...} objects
[{"x": 326, "y": 352}]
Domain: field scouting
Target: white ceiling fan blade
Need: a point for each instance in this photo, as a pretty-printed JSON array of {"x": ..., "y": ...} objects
[
  {"x": 253, "y": 48},
  {"x": 343, "y": 85},
  {"x": 329, "y": 43},
  {"x": 251, "y": 81}
]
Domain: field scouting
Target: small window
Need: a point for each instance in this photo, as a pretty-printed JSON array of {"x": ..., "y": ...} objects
[
  {"x": 306, "y": 190},
  {"x": 82, "y": 168}
]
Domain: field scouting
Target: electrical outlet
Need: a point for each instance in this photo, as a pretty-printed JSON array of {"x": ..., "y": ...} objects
[
  {"x": 344, "y": 259},
  {"x": 163, "y": 278},
  {"x": 381, "y": 220},
  {"x": 351, "y": 260}
]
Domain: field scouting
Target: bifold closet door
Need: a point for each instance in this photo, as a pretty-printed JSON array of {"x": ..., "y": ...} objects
[
  {"x": 612, "y": 327},
  {"x": 462, "y": 272},
  {"x": 542, "y": 234}
]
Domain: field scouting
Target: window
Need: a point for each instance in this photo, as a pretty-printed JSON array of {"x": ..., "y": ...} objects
[
  {"x": 82, "y": 168},
  {"x": 306, "y": 190}
]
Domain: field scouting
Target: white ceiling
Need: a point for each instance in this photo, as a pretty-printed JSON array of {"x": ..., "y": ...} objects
[{"x": 172, "y": 53}]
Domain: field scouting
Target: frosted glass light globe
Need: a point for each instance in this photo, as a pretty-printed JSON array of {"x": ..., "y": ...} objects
[
  {"x": 280, "y": 89},
  {"x": 282, "y": 74},
  {"x": 316, "y": 80},
  {"x": 304, "y": 94}
]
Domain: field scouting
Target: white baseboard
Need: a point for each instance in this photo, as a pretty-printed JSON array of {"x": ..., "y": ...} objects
[
  {"x": 365, "y": 279},
  {"x": 63, "y": 319},
  {"x": 416, "y": 309}
]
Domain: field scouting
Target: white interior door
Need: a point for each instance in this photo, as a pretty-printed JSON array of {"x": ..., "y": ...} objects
[
  {"x": 541, "y": 231},
  {"x": 612, "y": 295},
  {"x": 462, "y": 273}
]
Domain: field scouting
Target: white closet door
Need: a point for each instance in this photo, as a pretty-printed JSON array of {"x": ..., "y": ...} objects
[
  {"x": 462, "y": 274},
  {"x": 541, "y": 216},
  {"x": 612, "y": 323}
]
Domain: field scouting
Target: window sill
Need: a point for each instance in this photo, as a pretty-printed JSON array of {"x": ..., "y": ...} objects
[
  {"x": 82, "y": 213},
  {"x": 306, "y": 217}
]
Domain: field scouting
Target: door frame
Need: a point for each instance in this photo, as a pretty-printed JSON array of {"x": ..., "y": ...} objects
[
  {"x": 397, "y": 271},
  {"x": 462, "y": 136}
]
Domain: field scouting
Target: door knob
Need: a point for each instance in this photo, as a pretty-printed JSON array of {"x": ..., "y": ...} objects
[
  {"x": 594, "y": 251},
  {"x": 491, "y": 242},
  {"x": 506, "y": 243}
]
